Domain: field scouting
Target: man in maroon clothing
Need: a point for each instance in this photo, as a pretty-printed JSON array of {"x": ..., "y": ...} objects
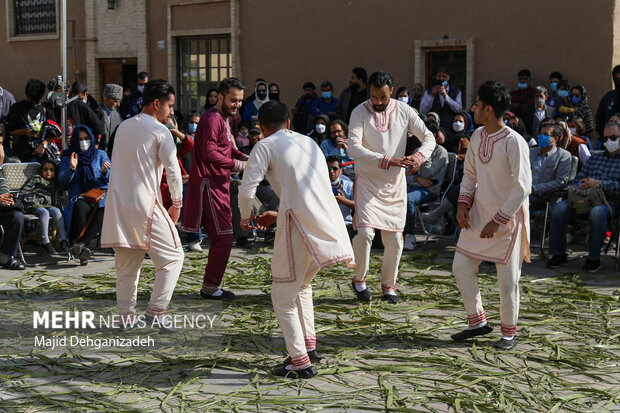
[
  {"x": 208, "y": 189},
  {"x": 522, "y": 99}
]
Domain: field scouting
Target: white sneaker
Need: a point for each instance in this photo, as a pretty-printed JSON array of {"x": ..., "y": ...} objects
[
  {"x": 194, "y": 246},
  {"x": 409, "y": 244}
]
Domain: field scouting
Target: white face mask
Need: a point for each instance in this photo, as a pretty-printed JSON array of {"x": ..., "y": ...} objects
[
  {"x": 458, "y": 126},
  {"x": 141, "y": 88},
  {"x": 612, "y": 146},
  {"x": 320, "y": 128},
  {"x": 85, "y": 100},
  {"x": 573, "y": 131},
  {"x": 404, "y": 99},
  {"x": 84, "y": 145}
]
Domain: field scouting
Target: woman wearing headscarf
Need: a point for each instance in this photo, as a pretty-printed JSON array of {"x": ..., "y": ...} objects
[
  {"x": 274, "y": 92},
  {"x": 320, "y": 132},
  {"x": 578, "y": 105},
  {"x": 404, "y": 95},
  {"x": 209, "y": 102},
  {"x": 459, "y": 133},
  {"x": 83, "y": 167},
  {"x": 261, "y": 91}
]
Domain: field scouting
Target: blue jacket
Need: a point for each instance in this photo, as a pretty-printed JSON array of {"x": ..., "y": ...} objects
[{"x": 70, "y": 180}]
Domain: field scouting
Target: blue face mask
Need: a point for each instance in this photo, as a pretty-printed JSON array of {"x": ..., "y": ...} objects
[
  {"x": 445, "y": 83},
  {"x": 554, "y": 86},
  {"x": 522, "y": 85},
  {"x": 575, "y": 99},
  {"x": 192, "y": 127},
  {"x": 326, "y": 95},
  {"x": 563, "y": 93},
  {"x": 543, "y": 141}
]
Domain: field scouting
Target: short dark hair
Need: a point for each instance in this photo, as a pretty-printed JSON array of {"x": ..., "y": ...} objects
[
  {"x": 334, "y": 158},
  {"x": 495, "y": 94},
  {"x": 380, "y": 79},
  {"x": 35, "y": 89},
  {"x": 343, "y": 125},
  {"x": 273, "y": 114},
  {"x": 143, "y": 75},
  {"x": 193, "y": 115},
  {"x": 556, "y": 75},
  {"x": 229, "y": 83},
  {"x": 327, "y": 83},
  {"x": 361, "y": 74},
  {"x": 524, "y": 72},
  {"x": 77, "y": 88},
  {"x": 557, "y": 131},
  {"x": 442, "y": 69},
  {"x": 309, "y": 85},
  {"x": 616, "y": 70},
  {"x": 156, "y": 89}
]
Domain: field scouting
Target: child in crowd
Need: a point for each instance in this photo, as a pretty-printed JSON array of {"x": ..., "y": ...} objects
[
  {"x": 41, "y": 196},
  {"x": 242, "y": 140}
]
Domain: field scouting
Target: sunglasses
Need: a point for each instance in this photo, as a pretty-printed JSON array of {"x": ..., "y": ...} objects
[
  {"x": 333, "y": 168},
  {"x": 610, "y": 137}
]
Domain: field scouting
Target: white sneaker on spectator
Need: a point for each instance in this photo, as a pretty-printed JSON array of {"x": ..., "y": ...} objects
[
  {"x": 409, "y": 244},
  {"x": 194, "y": 246}
]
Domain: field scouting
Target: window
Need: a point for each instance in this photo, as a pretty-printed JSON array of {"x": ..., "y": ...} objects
[
  {"x": 34, "y": 17},
  {"x": 202, "y": 63},
  {"x": 451, "y": 58}
]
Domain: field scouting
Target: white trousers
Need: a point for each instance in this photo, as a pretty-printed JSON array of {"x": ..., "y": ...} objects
[
  {"x": 393, "y": 243},
  {"x": 291, "y": 294},
  {"x": 465, "y": 269},
  {"x": 168, "y": 262}
]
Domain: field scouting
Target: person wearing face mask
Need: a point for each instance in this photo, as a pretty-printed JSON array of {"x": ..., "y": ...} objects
[
  {"x": 404, "y": 95},
  {"x": 325, "y": 104},
  {"x": 81, "y": 113},
  {"x": 108, "y": 112},
  {"x": 550, "y": 166},
  {"x": 353, "y": 95},
  {"x": 554, "y": 81},
  {"x": 539, "y": 111},
  {"x": 442, "y": 98},
  {"x": 578, "y": 105},
  {"x": 602, "y": 170},
  {"x": 135, "y": 98},
  {"x": 83, "y": 167},
  {"x": 320, "y": 130},
  {"x": 609, "y": 103},
  {"x": 301, "y": 111},
  {"x": 522, "y": 99},
  {"x": 261, "y": 91},
  {"x": 459, "y": 135},
  {"x": 274, "y": 92}
]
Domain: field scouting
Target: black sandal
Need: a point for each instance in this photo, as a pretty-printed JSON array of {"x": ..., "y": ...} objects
[{"x": 13, "y": 264}]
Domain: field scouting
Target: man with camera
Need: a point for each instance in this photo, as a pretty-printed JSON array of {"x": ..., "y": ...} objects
[
  {"x": 601, "y": 171},
  {"x": 442, "y": 98}
]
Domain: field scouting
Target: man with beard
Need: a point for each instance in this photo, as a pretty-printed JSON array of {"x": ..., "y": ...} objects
[
  {"x": 208, "y": 189},
  {"x": 416, "y": 95},
  {"x": 356, "y": 93},
  {"x": 377, "y": 141},
  {"x": 493, "y": 214},
  {"x": 301, "y": 111}
]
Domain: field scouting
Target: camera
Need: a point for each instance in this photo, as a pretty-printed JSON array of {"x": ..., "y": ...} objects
[{"x": 56, "y": 99}]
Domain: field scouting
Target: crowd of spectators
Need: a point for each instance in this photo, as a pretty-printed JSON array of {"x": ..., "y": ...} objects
[{"x": 555, "y": 120}]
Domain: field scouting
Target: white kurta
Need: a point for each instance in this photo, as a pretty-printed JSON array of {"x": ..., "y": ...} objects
[
  {"x": 297, "y": 171},
  {"x": 142, "y": 148},
  {"x": 496, "y": 184},
  {"x": 374, "y": 138}
]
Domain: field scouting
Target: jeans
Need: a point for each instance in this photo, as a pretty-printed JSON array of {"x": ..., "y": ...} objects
[
  {"x": 415, "y": 196},
  {"x": 44, "y": 222},
  {"x": 560, "y": 214}
]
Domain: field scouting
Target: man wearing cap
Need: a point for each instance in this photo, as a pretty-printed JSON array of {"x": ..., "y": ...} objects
[{"x": 108, "y": 113}]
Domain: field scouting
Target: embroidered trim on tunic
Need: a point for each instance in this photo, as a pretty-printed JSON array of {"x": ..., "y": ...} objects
[
  {"x": 384, "y": 162},
  {"x": 513, "y": 240},
  {"x": 301, "y": 362},
  {"x": 501, "y": 218},
  {"x": 508, "y": 330},
  {"x": 177, "y": 203},
  {"x": 382, "y": 119},
  {"x": 487, "y": 144},
  {"x": 386, "y": 287},
  {"x": 212, "y": 208},
  {"x": 466, "y": 199},
  {"x": 199, "y": 221},
  {"x": 419, "y": 158}
]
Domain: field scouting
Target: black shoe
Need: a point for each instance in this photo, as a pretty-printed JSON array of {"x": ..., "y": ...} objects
[
  {"x": 314, "y": 355},
  {"x": 557, "y": 260},
  {"x": 270, "y": 237},
  {"x": 64, "y": 246},
  {"x": 126, "y": 325},
  {"x": 162, "y": 323},
  {"x": 591, "y": 265},
  {"x": 306, "y": 373},
  {"x": 242, "y": 242},
  {"x": 84, "y": 256},
  {"x": 226, "y": 295},
  {"x": 76, "y": 249},
  {"x": 13, "y": 264},
  {"x": 48, "y": 248},
  {"x": 465, "y": 334},
  {"x": 392, "y": 299},
  {"x": 504, "y": 344},
  {"x": 364, "y": 295}
]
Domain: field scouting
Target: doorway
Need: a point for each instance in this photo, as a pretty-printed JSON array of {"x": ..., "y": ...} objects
[{"x": 121, "y": 71}]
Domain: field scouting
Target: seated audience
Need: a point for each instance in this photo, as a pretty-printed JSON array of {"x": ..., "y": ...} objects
[
  {"x": 343, "y": 191},
  {"x": 575, "y": 145},
  {"x": 83, "y": 167},
  {"x": 320, "y": 131},
  {"x": 337, "y": 145},
  {"x": 602, "y": 170},
  {"x": 12, "y": 221}
]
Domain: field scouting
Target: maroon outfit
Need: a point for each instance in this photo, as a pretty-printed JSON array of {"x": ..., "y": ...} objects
[{"x": 208, "y": 191}]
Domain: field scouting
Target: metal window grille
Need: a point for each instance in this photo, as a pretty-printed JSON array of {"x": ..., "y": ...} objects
[{"x": 35, "y": 16}]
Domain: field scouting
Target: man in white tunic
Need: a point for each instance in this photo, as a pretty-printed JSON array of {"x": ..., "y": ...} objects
[
  {"x": 493, "y": 214},
  {"x": 311, "y": 234},
  {"x": 377, "y": 140},
  {"x": 135, "y": 222}
]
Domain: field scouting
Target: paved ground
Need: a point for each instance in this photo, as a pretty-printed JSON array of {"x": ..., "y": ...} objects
[{"x": 377, "y": 357}]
